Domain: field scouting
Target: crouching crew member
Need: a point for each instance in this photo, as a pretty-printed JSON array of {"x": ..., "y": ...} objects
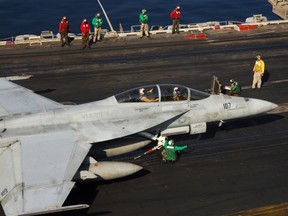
[
  {"x": 170, "y": 151},
  {"x": 235, "y": 88}
]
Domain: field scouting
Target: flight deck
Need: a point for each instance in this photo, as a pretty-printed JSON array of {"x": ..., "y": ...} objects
[{"x": 240, "y": 167}]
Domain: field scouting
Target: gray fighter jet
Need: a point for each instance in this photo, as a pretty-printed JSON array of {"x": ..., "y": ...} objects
[{"x": 45, "y": 146}]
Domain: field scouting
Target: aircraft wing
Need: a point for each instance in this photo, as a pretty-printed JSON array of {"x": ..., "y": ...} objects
[
  {"x": 108, "y": 128},
  {"x": 38, "y": 175},
  {"x": 15, "y": 99}
]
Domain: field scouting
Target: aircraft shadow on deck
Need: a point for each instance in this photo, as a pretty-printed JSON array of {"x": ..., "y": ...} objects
[{"x": 44, "y": 91}]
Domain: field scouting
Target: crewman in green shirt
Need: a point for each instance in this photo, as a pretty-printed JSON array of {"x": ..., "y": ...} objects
[
  {"x": 143, "y": 19},
  {"x": 235, "y": 88},
  {"x": 170, "y": 151},
  {"x": 97, "y": 22}
]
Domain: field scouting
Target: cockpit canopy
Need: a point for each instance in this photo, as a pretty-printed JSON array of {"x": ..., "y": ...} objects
[{"x": 160, "y": 93}]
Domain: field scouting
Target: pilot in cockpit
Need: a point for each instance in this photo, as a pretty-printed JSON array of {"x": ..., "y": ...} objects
[
  {"x": 143, "y": 95},
  {"x": 176, "y": 94}
]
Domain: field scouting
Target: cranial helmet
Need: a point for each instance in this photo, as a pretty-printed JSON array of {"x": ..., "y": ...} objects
[
  {"x": 171, "y": 142},
  {"x": 141, "y": 91}
]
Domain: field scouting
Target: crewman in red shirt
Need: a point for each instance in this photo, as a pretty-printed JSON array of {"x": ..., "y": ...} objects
[
  {"x": 175, "y": 16},
  {"x": 85, "y": 29},
  {"x": 64, "y": 30}
]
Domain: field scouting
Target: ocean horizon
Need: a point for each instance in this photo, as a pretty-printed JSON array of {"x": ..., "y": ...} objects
[{"x": 34, "y": 16}]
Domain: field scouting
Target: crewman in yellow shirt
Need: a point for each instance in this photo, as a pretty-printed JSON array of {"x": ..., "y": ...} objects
[{"x": 258, "y": 71}]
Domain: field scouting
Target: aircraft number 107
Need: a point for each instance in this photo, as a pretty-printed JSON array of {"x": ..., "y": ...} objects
[{"x": 227, "y": 105}]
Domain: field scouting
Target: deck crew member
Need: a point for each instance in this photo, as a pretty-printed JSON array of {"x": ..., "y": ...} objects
[
  {"x": 64, "y": 30},
  {"x": 143, "y": 19},
  {"x": 235, "y": 88},
  {"x": 258, "y": 70},
  {"x": 97, "y": 22},
  {"x": 175, "y": 16},
  {"x": 85, "y": 29},
  {"x": 170, "y": 151}
]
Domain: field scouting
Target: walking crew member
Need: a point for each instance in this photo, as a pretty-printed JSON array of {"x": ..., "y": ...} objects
[
  {"x": 64, "y": 30},
  {"x": 85, "y": 29},
  {"x": 258, "y": 71},
  {"x": 97, "y": 23},
  {"x": 175, "y": 15},
  {"x": 143, "y": 19}
]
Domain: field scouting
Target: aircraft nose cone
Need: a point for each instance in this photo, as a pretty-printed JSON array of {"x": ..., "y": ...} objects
[{"x": 257, "y": 106}]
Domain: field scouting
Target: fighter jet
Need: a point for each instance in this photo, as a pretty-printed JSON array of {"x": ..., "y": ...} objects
[{"x": 46, "y": 147}]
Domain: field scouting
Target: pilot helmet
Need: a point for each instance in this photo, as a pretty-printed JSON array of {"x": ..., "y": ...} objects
[
  {"x": 171, "y": 142},
  {"x": 141, "y": 91}
]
